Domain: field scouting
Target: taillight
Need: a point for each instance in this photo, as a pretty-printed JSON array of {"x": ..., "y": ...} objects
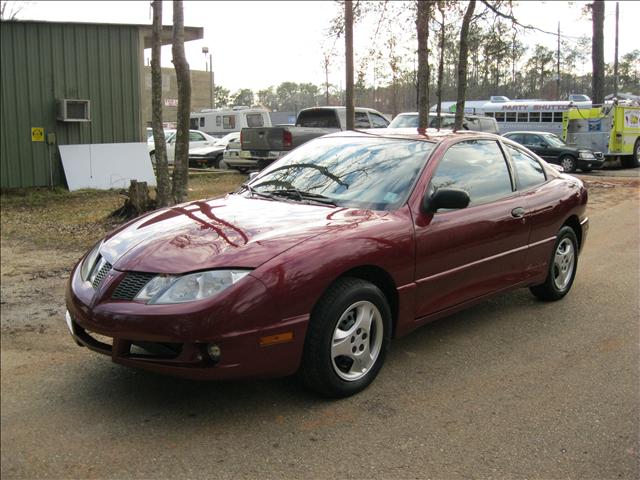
[
  {"x": 287, "y": 140},
  {"x": 240, "y": 137}
]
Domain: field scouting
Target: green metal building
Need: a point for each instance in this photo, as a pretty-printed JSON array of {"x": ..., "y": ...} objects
[{"x": 68, "y": 83}]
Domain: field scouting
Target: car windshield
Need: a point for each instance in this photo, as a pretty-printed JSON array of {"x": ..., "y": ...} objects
[
  {"x": 555, "y": 141},
  {"x": 374, "y": 173},
  {"x": 404, "y": 121}
]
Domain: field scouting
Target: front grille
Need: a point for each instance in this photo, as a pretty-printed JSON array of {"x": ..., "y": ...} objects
[
  {"x": 106, "y": 266},
  {"x": 131, "y": 285}
]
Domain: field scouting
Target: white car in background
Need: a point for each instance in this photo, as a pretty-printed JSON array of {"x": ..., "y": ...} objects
[
  {"x": 196, "y": 139},
  {"x": 211, "y": 155}
]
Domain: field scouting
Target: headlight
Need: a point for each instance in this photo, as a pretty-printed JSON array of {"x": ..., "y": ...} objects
[
  {"x": 165, "y": 289},
  {"x": 587, "y": 155},
  {"x": 89, "y": 262}
]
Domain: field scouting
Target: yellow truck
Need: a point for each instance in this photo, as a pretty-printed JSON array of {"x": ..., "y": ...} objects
[{"x": 613, "y": 129}]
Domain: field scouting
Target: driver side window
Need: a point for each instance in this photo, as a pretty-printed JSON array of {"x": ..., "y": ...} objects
[{"x": 476, "y": 166}]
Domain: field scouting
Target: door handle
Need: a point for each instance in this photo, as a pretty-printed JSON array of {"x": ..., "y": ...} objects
[{"x": 518, "y": 212}]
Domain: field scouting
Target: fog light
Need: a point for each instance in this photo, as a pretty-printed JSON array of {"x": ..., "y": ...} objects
[{"x": 214, "y": 352}]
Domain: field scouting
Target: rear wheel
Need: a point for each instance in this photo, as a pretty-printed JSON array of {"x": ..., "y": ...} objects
[
  {"x": 562, "y": 267},
  {"x": 347, "y": 339},
  {"x": 568, "y": 163}
]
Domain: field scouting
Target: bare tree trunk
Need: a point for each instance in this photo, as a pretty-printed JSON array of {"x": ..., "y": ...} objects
[
  {"x": 462, "y": 64},
  {"x": 440, "y": 66},
  {"x": 597, "y": 53},
  {"x": 348, "y": 39},
  {"x": 422, "y": 27},
  {"x": 183, "y": 78},
  {"x": 163, "y": 191},
  {"x": 326, "y": 78}
]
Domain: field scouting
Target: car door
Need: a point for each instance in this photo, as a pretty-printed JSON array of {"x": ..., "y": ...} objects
[
  {"x": 538, "y": 145},
  {"x": 196, "y": 139},
  {"x": 171, "y": 148},
  {"x": 467, "y": 253}
]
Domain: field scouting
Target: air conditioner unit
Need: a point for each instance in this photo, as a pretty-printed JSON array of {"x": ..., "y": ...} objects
[{"x": 74, "y": 110}]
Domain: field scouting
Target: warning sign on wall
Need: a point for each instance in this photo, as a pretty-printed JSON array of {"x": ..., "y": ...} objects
[{"x": 37, "y": 134}]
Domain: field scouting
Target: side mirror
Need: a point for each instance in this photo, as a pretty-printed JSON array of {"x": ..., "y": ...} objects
[
  {"x": 253, "y": 175},
  {"x": 446, "y": 198}
]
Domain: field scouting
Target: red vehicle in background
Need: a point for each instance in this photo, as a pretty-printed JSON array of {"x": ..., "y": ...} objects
[{"x": 316, "y": 263}]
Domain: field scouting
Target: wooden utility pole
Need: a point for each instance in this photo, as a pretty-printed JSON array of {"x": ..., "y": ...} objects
[
  {"x": 615, "y": 61},
  {"x": 163, "y": 190},
  {"x": 183, "y": 79},
  {"x": 558, "y": 66},
  {"x": 440, "y": 66},
  {"x": 462, "y": 64},
  {"x": 597, "y": 53},
  {"x": 348, "y": 39},
  {"x": 422, "y": 29}
]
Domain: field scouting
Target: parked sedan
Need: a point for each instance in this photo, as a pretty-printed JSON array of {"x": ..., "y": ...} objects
[
  {"x": 196, "y": 139},
  {"x": 316, "y": 263},
  {"x": 554, "y": 150},
  {"x": 211, "y": 155}
]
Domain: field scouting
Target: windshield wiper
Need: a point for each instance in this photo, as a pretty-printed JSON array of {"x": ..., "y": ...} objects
[
  {"x": 252, "y": 191},
  {"x": 302, "y": 196}
]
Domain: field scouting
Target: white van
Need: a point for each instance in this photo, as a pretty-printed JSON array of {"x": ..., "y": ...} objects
[{"x": 219, "y": 122}]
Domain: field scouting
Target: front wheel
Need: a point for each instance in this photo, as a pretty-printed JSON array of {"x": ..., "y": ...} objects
[
  {"x": 568, "y": 163},
  {"x": 347, "y": 339},
  {"x": 562, "y": 267}
]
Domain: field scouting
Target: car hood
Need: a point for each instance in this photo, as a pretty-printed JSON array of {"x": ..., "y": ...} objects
[
  {"x": 233, "y": 231},
  {"x": 206, "y": 149}
]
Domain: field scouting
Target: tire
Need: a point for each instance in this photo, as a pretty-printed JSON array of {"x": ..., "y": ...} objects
[
  {"x": 562, "y": 267},
  {"x": 352, "y": 317},
  {"x": 568, "y": 163},
  {"x": 633, "y": 161},
  {"x": 215, "y": 163}
]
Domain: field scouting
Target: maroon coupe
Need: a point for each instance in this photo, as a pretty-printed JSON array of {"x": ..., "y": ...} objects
[{"x": 317, "y": 262}]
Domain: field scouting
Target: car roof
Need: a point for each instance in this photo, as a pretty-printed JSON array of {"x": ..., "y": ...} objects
[
  {"x": 429, "y": 134},
  {"x": 528, "y": 131}
]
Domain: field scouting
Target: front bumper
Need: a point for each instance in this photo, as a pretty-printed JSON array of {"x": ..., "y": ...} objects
[
  {"x": 176, "y": 343},
  {"x": 594, "y": 163}
]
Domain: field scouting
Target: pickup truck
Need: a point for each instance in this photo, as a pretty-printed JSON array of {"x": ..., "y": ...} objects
[{"x": 263, "y": 145}]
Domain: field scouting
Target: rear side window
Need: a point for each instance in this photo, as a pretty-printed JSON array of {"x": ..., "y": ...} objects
[
  {"x": 318, "y": 119},
  {"x": 255, "y": 120},
  {"x": 378, "y": 121},
  {"x": 476, "y": 166},
  {"x": 529, "y": 172},
  {"x": 361, "y": 120}
]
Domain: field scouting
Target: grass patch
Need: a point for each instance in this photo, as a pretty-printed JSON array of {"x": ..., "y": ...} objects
[{"x": 60, "y": 219}]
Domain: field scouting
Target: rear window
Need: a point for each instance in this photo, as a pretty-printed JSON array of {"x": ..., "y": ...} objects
[
  {"x": 255, "y": 120},
  {"x": 318, "y": 119}
]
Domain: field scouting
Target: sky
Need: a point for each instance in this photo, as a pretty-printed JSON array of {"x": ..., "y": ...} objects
[{"x": 259, "y": 44}]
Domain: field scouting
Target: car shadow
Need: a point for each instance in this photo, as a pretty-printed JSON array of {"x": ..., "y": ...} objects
[{"x": 133, "y": 395}]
